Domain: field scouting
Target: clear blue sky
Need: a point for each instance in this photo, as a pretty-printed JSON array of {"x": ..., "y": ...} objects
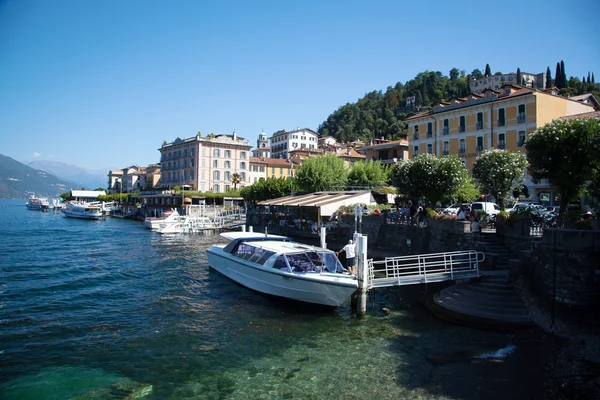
[{"x": 100, "y": 84}]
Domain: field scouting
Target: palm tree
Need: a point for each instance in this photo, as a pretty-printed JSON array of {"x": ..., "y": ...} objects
[{"x": 236, "y": 179}]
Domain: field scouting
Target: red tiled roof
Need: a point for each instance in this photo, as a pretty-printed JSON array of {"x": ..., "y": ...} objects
[{"x": 593, "y": 114}]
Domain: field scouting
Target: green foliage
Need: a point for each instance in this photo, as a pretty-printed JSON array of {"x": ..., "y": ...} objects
[
  {"x": 488, "y": 71},
  {"x": 236, "y": 179},
  {"x": 318, "y": 174},
  {"x": 266, "y": 189},
  {"x": 379, "y": 114},
  {"x": 497, "y": 171},
  {"x": 467, "y": 192},
  {"x": 430, "y": 177},
  {"x": 368, "y": 173},
  {"x": 117, "y": 197},
  {"x": 565, "y": 153}
]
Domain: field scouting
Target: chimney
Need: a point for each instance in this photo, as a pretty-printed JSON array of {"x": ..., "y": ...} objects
[
  {"x": 234, "y": 135},
  {"x": 348, "y": 150}
]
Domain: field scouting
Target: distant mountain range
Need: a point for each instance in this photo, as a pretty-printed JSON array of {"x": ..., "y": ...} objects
[
  {"x": 18, "y": 180},
  {"x": 81, "y": 177}
]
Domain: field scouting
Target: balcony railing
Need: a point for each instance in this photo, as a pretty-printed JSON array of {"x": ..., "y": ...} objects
[
  {"x": 446, "y": 130},
  {"x": 462, "y": 150},
  {"x": 479, "y": 125},
  {"x": 446, "y": 152},
  {"x": 501, "y": 122},
  {"x": 461, "y": 128},
  {"x": 429, "y": 134},
  {"x": 479, "y": 148},
  {"x": 416, "y": 136},
  {"x": 501, "y": 144},
  {"x": 521, "y": 118},
  {"x": 521, "y": 143}
]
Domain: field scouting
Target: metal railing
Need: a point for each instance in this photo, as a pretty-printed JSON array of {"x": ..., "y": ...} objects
[
  {"x": 424, "y": 268},
  {"x": 479, "y": 125},
  {"x": 521, "y": 118}
]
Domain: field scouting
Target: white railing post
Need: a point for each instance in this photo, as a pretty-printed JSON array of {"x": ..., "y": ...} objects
[
  {"x": 244, "y": 228},
  {"x": 363, "y": 276},
  {"x": 323, "y": 237},
  {"x": 250, "y": 228}
]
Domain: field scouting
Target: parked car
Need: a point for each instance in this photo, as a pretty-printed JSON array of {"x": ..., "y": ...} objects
[
  {"x": 455, "y": 208},
  {"x": 549, "y": 210},
  {"x": 533, "y": 208},
  {"x": 489, "y": 208}
]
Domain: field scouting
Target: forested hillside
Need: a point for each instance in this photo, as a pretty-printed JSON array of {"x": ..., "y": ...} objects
[
  {"x": 380, "y": 113},
  {"x": 17, "y": 180}
]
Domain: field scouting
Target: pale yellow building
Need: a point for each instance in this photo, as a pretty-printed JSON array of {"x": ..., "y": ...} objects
[{"x": 495, "y": 119}]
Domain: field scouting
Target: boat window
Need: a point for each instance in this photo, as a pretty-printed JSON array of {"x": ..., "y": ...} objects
[
  {"x": 265, "y": 256},
  {"x": 280, "y": 263},
  {"x": 300, "y": 263},
  {"x": 257, "y": 254},
  {"x": 244, "y": 251},
  {"x": 332, "y": 264}
]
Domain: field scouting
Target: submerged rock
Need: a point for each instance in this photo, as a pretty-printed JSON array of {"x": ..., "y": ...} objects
[{"x": 125, "y": 389}]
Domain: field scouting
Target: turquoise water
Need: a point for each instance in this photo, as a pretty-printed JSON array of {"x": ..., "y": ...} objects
[{"x": 106, "y": 309}]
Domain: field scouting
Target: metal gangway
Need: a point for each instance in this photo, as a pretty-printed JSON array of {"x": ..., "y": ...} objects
[{"x": 423, "y": 268}]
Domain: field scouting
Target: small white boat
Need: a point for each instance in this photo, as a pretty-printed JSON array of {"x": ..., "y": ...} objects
[
  {"x": 82, "y": 210},
  {"x": 186, "y": 224},
  {"x": 277, "y": 266},
  {"x": 154, "y": 222}
]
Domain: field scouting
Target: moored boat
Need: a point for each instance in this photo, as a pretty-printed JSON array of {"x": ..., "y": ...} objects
[
  {"x": 82, "y": 210},
  {"x": 154, "y": 222},
  {"x": 37, "y": 204},
  {"x": 277, "y": 266}
]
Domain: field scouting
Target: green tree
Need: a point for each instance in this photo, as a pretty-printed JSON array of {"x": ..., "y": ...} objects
[
  {"x": 430, "y": 177},
  {"x": 519, "y": 76},
  {"x": 563, "y": 75},
  {"x": 565, "y": 153},
  {"x": 466, "y": 193},
  {"x": 454, "y": 74},
  {"x": 368, "y": 173},
  {"x": 265, "y": 189},
  {"x": 476, "y": 74},
  {"x": 548, "y": 78},
  {"x": 236, "y": 179},
  {"x": 488, "y": 71},
  {"x": 558, "y": 75},
  {"x": 497, "y": 172},
  {"x": 318, "y": 174}
]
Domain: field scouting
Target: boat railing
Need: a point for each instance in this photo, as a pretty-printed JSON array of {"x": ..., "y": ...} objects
[{"x": 424, "y": 268}]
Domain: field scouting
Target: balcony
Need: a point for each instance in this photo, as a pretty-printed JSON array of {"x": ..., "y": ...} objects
[
  {"x": 461, "y": 128},
  {"x": 501, "y": 144},
  {"x": 479, "y": 125},
  {"x": 446, "y": 130},
  {"x": 521, "y": 118},
  {"x": 462, "y": 150},
  {"x": 501, "y": 122},
  {"x": 479, "y": 148},
  {"x": 415, "y": 136},
  {"x": 446, "y": 152},
  {"x": 521, "y": 143},
  {"x": 429, "y": 134}
]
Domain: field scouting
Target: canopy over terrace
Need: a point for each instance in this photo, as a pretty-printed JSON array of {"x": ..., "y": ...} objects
[{"x": 313, "y": 206}]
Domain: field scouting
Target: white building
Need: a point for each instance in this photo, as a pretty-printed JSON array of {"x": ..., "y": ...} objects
[
  {"x": 206, "y": 163},
  {"x": 262, "y": 146},
  {"x": 495, "y": 82},
  {"x": 282, "y": 141}
]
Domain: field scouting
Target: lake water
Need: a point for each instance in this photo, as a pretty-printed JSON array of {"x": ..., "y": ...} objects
[{"x": 97, "y": 309}]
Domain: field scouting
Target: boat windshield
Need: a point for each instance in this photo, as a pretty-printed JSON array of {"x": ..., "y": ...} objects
[{"x": 313, "y": 261}]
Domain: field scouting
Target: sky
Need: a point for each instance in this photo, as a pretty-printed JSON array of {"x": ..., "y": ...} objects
[{"x": 101, "y": 84}]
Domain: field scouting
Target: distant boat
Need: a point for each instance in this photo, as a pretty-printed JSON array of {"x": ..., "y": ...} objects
[
  {"x": 277, "y": 266},
  {"x": 37, "y": 204},
  {"x": 82, "y": 210}
]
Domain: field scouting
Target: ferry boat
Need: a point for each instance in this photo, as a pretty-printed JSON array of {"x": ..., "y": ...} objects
[
  {"x": 37, "y": 204},
  {"x": 82, "y": 210},
  {"x": 277, "y": 266},
  {"x": 186, "y": 224}
]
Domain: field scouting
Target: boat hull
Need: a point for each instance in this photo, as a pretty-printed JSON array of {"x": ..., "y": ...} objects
[
  {"x": 332, "y": 291},
  {"x": 82, "y": 212}
]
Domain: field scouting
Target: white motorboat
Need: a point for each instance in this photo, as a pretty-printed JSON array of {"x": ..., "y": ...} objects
[
  {"x": 82, "y": 210},
  {"x": 277, "y": 266},
  {"x": 186, "y": 224},
  {"x": 154, "y": 222}
]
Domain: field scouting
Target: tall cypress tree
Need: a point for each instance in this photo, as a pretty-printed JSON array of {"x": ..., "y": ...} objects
[
  {"x": 518, "y": 76},
  {"x": 593, "y": 78},
  {"x": 563, "y": 74},
  {"x": 488, "y": 71},
  {"x": 548, "y": 78},
  {"x": 588, "y": 81},
  {"x": 557, "y": 74}
]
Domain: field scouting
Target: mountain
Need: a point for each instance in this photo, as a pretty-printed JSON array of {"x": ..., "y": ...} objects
[
  {"x": 83, "y": 178},
  {"x": 17, "y": 180}
]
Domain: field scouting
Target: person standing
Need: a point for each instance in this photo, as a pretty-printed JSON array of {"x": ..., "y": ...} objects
[{"x": 350, "y": 251}]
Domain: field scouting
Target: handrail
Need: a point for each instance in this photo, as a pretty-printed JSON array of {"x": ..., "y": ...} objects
[{"x": 423, "y": 268}]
